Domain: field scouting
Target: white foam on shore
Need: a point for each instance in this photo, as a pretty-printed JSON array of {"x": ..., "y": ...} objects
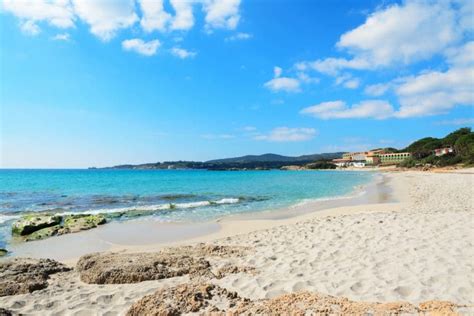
[
  {"x": 6, "y": 218},
  {"x": 156, "y": 207}
]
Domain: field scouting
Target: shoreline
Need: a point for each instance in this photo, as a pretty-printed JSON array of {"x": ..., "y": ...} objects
[
  {"x": 416, "y": 247},
  {"x": 147, "y": 234}
]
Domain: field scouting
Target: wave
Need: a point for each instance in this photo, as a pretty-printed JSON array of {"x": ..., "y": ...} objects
[
  {"x": 156, "y": 207},
  {"x": 6, "y": 218}
]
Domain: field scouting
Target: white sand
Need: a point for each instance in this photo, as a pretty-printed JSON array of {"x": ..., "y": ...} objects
[{"x": 418, "y": 249}]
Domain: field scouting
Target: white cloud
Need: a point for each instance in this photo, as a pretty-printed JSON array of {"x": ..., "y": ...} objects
[
  {"x": 400, "y": 34},
  {"x": 352, "y": 83},
  {"x": 184, "y": 18},
  {"x": 62, "y": 37},
  {"x": 283, "y": 84},
  {"x": 239, "y": 36},
  {"x": 104, "y": 17},
  {"x": 461, "y": 56},
  {"x": 29, "y": 27},
  {"x": 377, "y": 89},
  {"x": 154, "y": 16},
  {"x": 58, "y": 13},
  {"x": 348, "y": 81},
  {"x": 182, "y": 53},
  {"x": 221, "y": 13},
  {"x": 139, "y": 46},
  {"x": 279, "y": 83},
  {"x": 286, "y": 134},
  {"x": 458, "y": 121},
  {"x": 377, "y": 109},
  {"x": 436, "y": 92},
  {"x": 332, "y": 66},
  {"x": 304, "y": 77}
]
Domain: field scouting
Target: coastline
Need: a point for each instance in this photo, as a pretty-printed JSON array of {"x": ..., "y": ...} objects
[
  {"x": 146, "y": 234},
  {"x": 414, "y": 248}
]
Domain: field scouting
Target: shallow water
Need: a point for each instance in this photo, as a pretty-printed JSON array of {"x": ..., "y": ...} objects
[{"x": 169, "y": 195}]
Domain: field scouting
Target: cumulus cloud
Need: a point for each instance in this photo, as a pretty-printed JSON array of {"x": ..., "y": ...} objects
[
  {"x": 436, "y": 92},
  {"x": 154, "y": 15},
  {"x": 141, "y": 47},
  {"x": 286, "y": 134},
  {"x": 283, "y": 84},
  {"x": 377, "y": 89},
  {"x": 398, "y": 34},
  {"x": 57, "y": 13},
  {"x": 279, "y": 83},
  {"x": 184, "y": 18},
  {"x": 377, "y": 109},
  {"x": 221, "y": 13},
  {"x": 104, "y": 17},
  {"x": 182, "y": 53}
]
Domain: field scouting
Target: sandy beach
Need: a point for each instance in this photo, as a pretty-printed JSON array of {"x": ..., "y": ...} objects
[{"x": 412, "y": 241}]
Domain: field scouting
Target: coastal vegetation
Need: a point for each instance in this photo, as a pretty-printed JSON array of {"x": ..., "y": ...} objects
[{"x": 460, "y": 141}]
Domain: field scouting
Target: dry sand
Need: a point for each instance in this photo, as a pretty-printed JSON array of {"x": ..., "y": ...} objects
[{"x": 419, "y": 248}]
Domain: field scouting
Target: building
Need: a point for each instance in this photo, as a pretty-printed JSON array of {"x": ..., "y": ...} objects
[
  {"x": 443, "y": 151},
  {"x": 393, "y": 158},
  {"x": 347, "y": 156},
  {"x": 372, "y": 159},
  {"x": 342, "y": 162}
]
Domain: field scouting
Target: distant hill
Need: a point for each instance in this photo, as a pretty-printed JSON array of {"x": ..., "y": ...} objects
[
  {"x": 276, "y": 158},
  {"x": 265, "y": 161}
]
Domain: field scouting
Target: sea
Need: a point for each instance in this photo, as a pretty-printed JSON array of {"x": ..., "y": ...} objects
[{"x": 165, "y": 195}]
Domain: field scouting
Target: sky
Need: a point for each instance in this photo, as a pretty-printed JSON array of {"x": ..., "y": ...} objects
[{"x": 99, "y": 83}]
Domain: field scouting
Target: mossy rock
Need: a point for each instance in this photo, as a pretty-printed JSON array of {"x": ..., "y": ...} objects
[
  {"x": 76, "y": 223},
  {"x": 3, "y": 252},
  {"x": 43, "y": 233},
  {"x": 28, "y": 224}
]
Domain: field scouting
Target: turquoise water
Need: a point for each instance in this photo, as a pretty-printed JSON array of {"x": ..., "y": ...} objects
[{"x": 170, "y": 195}]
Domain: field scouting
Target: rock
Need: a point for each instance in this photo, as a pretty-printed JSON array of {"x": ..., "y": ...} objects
[
  {"x": 76, "y": 223},
  {"x": 5, "y": 312},
  {"x": 43, "y": 226},
  {"x": 119, "y": 268},
  {"x": 206, "y": 299},
  {"x": 25, "y": 275},
  {"x": 43, "y": 233},
  {"x": 33, "y": 222},
  {"x": 185, "y": 298},
  {"x": 3, "y": 252}
]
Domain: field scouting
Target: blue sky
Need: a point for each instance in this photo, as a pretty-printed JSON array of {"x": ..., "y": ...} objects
[{"x": 98, "y": 83}]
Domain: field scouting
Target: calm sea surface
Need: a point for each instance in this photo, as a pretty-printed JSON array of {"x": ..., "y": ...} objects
[{"x": 167, "y": 195}]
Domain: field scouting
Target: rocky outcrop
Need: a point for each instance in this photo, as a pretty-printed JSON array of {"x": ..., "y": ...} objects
[
  {"x": 3, "y": 252},
  {"x": 118, "y": 268},
  {"x": 36, "y": 227},
  {"x": 25, "y": 275},
  {"x": 77, "y": 223},
  {"x": 186, "y": 298},
  {"x": 30, "y": 223},
  {"x": 204, "y": 299}
]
